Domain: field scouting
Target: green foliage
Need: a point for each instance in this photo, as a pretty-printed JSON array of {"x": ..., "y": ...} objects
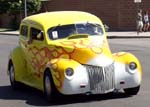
[
  {"x": 15, "y": 6},
  {"x": 4, "y": 5},
  {"x": 33, "y": 5}
]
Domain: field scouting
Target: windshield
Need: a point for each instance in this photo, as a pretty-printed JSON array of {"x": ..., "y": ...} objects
[{"x": 60, "y": 32}]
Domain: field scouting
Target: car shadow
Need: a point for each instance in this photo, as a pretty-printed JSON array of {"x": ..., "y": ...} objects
[{"x": 34, "y": 97}]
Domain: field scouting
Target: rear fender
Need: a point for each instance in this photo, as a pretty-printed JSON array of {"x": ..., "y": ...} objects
[{"x": 16, "y": 58}]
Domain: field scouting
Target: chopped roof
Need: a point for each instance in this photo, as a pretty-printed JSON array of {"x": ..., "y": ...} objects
[{"x": 50, "y": 19}]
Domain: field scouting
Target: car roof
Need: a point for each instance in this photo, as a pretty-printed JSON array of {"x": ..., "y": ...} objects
[{"x": 51, "y": 19}]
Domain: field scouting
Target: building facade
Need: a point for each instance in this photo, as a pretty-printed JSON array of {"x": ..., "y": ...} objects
[{"x": 117, "y": 14}]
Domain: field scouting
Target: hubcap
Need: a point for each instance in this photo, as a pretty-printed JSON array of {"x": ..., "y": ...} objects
[
  {"x": 12, "y": 74},
  {"x": 47, "y": 85}
]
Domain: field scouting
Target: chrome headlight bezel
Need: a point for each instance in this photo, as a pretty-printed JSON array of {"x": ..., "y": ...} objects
[
  {"x": 132, "y": 66},
  {"x": 69, "y": 72}
]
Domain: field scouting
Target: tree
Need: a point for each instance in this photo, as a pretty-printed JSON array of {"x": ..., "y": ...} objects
[
  {"x": 16, "y": 7},
  {"x": 4, "y": 6}
]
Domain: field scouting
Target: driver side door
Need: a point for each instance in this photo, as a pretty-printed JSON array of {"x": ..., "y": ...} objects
[{"x": 34, "y": 56}]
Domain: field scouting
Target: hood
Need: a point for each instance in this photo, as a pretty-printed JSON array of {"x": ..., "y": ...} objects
[{"x": 91, "y": 50}]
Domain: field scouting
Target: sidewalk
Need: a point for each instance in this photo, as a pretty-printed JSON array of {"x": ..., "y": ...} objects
[
  {"x": 15, "y": 33},
  {"x": 127, "y": 34}
]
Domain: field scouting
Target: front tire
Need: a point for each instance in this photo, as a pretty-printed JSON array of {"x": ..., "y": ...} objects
[
  {"x": 49, "y": 87},
  {"x": 132, "y": 91}
]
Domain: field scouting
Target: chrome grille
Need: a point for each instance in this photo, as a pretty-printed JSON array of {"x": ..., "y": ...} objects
[{"x": 101, "y": 78}]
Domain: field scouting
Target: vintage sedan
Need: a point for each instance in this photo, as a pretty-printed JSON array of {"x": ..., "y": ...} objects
[{"x": 67, "y": 52}]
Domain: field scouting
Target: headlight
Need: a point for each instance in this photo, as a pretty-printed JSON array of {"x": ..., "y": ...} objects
[
  {"x": 131, "y": 68},
  {"x": 132, "y": 65},
  {"x": 69, "y": 72}
]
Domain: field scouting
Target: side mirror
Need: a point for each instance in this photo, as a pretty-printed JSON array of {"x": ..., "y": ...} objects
[
  {"x": 40, "y": 36},
  {"x": 106, "y": 28}
]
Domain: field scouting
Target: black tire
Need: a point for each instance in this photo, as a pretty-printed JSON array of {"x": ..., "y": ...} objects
[
  {"x": 13, "y": 82},
  {"x": 132, "y": 91},
  {"x": 49, "y": 87}
]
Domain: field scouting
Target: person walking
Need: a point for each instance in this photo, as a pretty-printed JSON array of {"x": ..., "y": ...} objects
[
  {"x": 139, "y": 21},
  {"x": 146, "y": 21}
]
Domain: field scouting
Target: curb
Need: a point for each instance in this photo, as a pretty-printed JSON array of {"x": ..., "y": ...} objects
[{"x": 9, "y": 34}]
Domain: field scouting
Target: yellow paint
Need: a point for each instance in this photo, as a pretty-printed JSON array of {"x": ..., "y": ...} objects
[
  {"x": 65, "y": 56},
  {"x": 58, "y": 55}
]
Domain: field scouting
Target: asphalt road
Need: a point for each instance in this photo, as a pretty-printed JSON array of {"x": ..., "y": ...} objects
[{"x": 29, "y": 97}]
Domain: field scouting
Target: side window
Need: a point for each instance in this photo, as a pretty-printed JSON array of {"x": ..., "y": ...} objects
[
  {"x": 24, "y": 30},
  {"x": 36, "y": 34}
]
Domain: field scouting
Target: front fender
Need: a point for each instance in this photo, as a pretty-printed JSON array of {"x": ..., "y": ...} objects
[
  {"x": 126, "y": 58},
  {"x": 122, "y": 73},
  {"x": 64, "y": 84},
  {"x": 16, "y": 57}
]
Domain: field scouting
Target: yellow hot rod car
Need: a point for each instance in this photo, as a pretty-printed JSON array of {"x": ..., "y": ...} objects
[{"x": 67, "y": 52}]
